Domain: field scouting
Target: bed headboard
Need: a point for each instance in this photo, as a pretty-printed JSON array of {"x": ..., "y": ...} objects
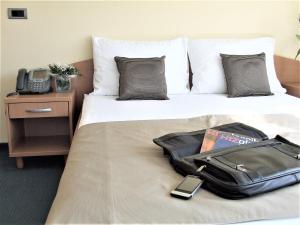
[
  {"x": 287, "y": 71},
  {"x": 83, "y": 84}
]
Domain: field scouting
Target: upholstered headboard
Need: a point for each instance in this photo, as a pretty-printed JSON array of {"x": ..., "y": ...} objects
[{"x": 287, "y": 71}]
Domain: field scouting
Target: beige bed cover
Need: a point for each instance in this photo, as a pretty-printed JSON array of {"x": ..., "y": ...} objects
[{"x": 116, "y": 174}]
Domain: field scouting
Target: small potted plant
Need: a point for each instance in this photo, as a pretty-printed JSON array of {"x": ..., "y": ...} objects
[{"x": 63, "y": 74}]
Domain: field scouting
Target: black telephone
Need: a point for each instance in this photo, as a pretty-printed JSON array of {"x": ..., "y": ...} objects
[{"x": 36, "y": 81}]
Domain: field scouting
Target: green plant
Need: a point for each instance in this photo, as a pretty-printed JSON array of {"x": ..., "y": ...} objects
[
  {"x": 63, "y": 70},
  {"x": 298, "y": 53}
]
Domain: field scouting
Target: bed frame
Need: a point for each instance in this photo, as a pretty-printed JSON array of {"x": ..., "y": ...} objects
[{"x": 287, "y": 71}]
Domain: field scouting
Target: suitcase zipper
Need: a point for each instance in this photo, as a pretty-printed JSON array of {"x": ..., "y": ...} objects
[
  {"x": 239, "y": 167},
  {"x": 234, "y": 166},
  {"x": 218, "y": 181}
]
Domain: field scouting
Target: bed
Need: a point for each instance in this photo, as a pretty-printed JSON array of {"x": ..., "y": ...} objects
[{"x": 115, "y": 174}]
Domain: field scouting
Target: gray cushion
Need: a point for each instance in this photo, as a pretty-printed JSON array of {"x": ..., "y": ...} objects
[
  {"x": 142, "y": 78},
  {"x": 246, "y": 75}
]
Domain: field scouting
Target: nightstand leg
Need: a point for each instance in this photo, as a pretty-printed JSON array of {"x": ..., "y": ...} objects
[{"x": 19, "y": 162}]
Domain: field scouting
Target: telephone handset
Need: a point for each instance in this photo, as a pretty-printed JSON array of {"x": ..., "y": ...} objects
[
  {"x": 22, "y": 82},
  {"x": 36, "y": 81}
]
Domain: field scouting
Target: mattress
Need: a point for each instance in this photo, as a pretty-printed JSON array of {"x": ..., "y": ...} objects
[{"x": 105, "y": 108}]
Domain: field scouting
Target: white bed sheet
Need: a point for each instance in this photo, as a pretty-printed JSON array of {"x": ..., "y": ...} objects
[{"x": 105, "y": 108}]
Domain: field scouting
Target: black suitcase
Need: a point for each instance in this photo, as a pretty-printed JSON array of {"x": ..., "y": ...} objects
[{"x": 236, "y": 172}]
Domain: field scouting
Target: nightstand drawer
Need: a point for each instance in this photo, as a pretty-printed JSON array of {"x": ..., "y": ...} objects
[{"x": 38, "y": 109}]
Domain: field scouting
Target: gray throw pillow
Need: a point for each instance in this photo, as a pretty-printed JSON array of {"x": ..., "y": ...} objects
[
  {"x": 246, "y": 75},
  {"x": 142, "y": 78}
]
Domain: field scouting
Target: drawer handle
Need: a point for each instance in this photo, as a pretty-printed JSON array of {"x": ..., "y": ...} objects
[{"x": 39, "y": 110}]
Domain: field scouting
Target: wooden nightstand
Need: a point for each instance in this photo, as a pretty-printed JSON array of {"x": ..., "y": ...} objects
[{"x": 39, "y": 125}]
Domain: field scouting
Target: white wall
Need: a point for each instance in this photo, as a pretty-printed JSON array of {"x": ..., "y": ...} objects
[{"x": 61, "y": 31}]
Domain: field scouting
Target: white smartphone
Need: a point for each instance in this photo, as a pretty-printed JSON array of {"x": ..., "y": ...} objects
[{"x": 187, "y": 188}]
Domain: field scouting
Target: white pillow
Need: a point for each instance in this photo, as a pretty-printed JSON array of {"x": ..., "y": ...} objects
[
  {"x": 106, "y": 75},
  {"x": 206, "y": 65}
]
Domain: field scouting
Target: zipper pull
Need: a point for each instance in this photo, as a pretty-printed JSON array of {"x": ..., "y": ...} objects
[
  {"x": 200, "y": 168},
  {"x": 241, "y": 167},
  {"x": 208, "y": 158}
]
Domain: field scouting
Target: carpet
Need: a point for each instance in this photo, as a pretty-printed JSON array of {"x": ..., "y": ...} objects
[{"x": 26, "y": 195}]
